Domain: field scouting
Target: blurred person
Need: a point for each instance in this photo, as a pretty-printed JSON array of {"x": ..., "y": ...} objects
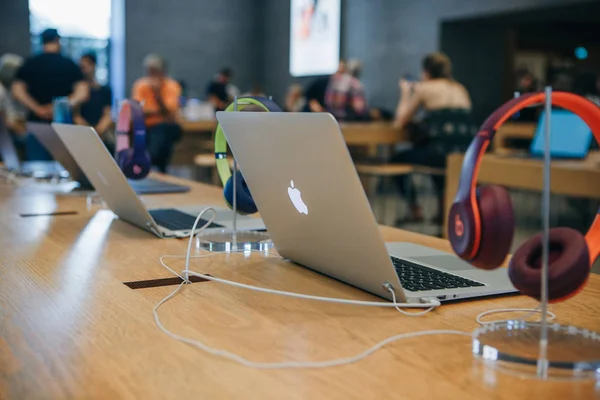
[
  {"x": 13, "y": 112},
  {"x": 445, "y": 127},
  {"x": 354, "y": 68},
  {"x": 315, "y": 92},
  {"x": 256, "y": 91},
  {"x": 295, "y": 100},
  {"x": 159, "y": 95},
  {"x": 345, "y": 94},
  {"x": 526, "y": 83},
  {"x": 96, "y": 111},
  {"x": 594, "y": 94},
  {"x": 232, "y": 90},
  {"x": 217, "y": 91},
  {"x": 40, "y": 79},
  {"x": 183, "y": 98}
]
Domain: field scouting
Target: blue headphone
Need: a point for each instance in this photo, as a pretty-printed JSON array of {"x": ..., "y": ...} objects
[
  {"x": 134, "y": 162},
  {"x": 244, "y": 201}
]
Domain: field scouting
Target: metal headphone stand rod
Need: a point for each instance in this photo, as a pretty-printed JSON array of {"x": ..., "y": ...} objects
[
  {"x": 233, "y": 240},
  {"x": 539, "y": 349}
]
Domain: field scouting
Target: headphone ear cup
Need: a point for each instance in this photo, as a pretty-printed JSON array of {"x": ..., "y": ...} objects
[
  {"x": 245, "y": 203},
  {"x": 123, "y": 158},
  {"x": 497, "y": 226},
  {"x": 134, "y": 167},
  {"x": 568, "y": 264}
]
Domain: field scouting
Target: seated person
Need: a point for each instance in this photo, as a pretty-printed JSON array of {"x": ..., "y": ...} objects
[
  {"x": 295, "y": 100},
  {"x": 445, "y": 127},
  {"x": 315, "y": 91},
  {"x": 256, "y": 91},
  {"x": 217, "y": 91},
  {"x": 96, "y": 111},
  {"x": 594, "y": 94},
  {"x": 345, "y": 96},
  {"x": 315, "y": 95},
  {"x": 12, "y": 112},
  {"x": 159, "y": 95},
  {"x": 526, "y": 83}
]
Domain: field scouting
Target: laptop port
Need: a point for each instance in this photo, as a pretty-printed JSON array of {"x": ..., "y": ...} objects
[{"x": 442, "y": 297}]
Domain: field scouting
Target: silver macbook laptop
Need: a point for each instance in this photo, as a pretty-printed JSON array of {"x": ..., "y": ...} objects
[
  {"x": 50, "y": 140},
  {"x": 309, "y": 195},
  {"x": 44, "y": 133},
  {"x": 108, "y": 179}
]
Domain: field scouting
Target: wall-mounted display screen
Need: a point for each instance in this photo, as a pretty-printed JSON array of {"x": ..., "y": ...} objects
[{"x": 314, "y": 37}]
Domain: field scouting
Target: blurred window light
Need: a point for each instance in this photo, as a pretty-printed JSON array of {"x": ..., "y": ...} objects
[
  {"x": 581, "y": 53},
  {"x": 72, "y": 18}
]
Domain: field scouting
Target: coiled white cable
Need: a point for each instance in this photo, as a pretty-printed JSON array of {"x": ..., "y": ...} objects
[{"x": 431, "y": 304}]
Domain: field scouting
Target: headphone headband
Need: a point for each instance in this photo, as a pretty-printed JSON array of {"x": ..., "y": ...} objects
[
  {"x": 585, "y": 109},
  {"x": 221, "y": 141},
  {"x": 130, "y": 112},
  {"x": 466, "y": 196}
]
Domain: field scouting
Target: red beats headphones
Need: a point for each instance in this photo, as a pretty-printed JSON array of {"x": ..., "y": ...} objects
[{"x": 481, "y": 221}]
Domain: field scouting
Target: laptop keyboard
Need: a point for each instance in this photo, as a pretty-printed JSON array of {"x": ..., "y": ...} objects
[
  {"x": 176, "y": 220},
  {"x": 418, "y": 278}
]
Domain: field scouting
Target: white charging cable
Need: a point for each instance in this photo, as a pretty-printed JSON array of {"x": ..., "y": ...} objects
[{"x": 431, "y": 304}]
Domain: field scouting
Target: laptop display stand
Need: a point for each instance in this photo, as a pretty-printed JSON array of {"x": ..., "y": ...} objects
[
  {"x": 542, "y": 349},
  {"x": 233, "y": 240}
]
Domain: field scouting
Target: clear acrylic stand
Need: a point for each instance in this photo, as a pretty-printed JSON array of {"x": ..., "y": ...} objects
[
  {"x": 93, "y": 200},
  {"x": 539, "y": 349},
  {"x": 233, "y": 240}
]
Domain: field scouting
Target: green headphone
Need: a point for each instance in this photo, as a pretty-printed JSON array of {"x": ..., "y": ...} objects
[{"x": 245, "y": 202}]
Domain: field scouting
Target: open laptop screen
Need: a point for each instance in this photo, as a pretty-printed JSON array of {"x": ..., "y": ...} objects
[{"x": 570, "y": 137}]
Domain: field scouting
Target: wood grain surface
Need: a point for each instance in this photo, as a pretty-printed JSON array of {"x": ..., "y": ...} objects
[{"x": 71, "y": 329}]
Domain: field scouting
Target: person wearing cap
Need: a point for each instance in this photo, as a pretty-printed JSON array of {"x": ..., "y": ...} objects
[
  {"x": 40, "y": 79},
  {"x": 159, "y": 96}
]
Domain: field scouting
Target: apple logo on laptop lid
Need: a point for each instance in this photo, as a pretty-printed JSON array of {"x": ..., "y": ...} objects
[{"x": 296, "y": 198}]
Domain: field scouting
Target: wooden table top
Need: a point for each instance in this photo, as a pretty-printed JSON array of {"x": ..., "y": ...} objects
[
  {"x": 568, "y": 177},
  {"x": 198, "y": 126},
  {"x": 70, "y": 328},
  {"x": 355, "y": 133}
]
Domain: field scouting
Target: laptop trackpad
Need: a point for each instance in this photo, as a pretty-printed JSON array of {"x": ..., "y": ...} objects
[{"x": 448, "y": 262}]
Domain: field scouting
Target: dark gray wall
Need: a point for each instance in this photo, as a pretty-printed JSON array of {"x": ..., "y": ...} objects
[
  {"x": 479, "y": 53},
  {"x": 197, "y": 37},
  {"x": 390, "y": 36},
  {"x": 14, "y": 27}
]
